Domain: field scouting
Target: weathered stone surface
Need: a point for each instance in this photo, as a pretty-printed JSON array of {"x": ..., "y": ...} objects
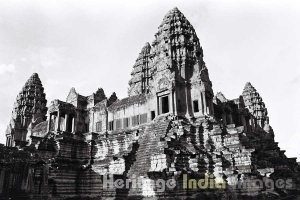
[
  {"x": 170, "y": 127},
  {"x": 29, "y": 110},
  {"x": 141, "y": 76}
]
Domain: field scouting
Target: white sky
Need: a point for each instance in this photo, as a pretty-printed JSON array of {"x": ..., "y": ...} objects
[{"x": 91, "y": 44}]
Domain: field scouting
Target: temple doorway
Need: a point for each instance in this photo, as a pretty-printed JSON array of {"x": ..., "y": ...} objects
[{"x": 165, "y": 104}]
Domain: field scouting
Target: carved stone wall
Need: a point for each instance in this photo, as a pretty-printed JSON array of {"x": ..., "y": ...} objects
[
  {"x": 170, "y": 127},
  {"x": 29, "y": 108}
]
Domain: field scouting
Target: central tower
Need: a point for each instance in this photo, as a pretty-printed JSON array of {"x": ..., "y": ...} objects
[{"x": 173, "y": 71}]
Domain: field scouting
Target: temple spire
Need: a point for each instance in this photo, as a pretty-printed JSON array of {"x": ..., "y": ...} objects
[
  {"x": 255, "y": 104},
  {"x": 141, "y": 72},
  {"x": 30, "y": 107},
  {"x": 113, "y": 98},
  {"x": 174, "y": 62}
]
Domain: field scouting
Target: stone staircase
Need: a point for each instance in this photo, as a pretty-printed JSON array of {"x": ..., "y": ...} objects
[{"x": 149, "y": 144}]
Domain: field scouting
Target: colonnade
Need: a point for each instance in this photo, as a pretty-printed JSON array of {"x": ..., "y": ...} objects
[{"x": 66, "y": 122}]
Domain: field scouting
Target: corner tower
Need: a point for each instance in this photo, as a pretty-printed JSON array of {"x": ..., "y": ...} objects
[
  {"x": 256, "y": 106},
  {"x": 29, "y": 108}
]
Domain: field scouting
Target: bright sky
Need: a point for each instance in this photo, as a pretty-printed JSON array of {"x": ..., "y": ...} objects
[{"x": 91, "y": 44}]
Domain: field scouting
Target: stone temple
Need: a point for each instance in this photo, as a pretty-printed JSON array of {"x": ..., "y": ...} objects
[{"x": 172, "y": 126}]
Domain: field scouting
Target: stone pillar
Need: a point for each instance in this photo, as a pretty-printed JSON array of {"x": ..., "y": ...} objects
[
  {"x": 66, "y": 121},
  {"x": 58, "y": 121},
  {"x": 200, "y": 104},
  {"x": 49, "y": 122},
  {"x": 170, "y": 102},
  {"x": 204, "y": 103},
  {"x": 73, "y": 124},
  {"x": 158, "y": 106},
  {"x": 174, "y": 102},
  {"x": 12, "y": 141},
  {"x": 93, "y": 122}
]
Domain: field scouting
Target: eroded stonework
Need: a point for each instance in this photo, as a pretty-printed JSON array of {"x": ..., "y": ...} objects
[
  {"x": 29, "y": 110},
  {"x": 171, "y": 126}
]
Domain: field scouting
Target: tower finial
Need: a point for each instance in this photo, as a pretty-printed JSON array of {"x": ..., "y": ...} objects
[{"x": 248, "y": 85}]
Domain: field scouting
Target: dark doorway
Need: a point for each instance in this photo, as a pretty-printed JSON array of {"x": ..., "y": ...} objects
[
  {"x": 196, "y": 106},
  {"x": 152, "y": 115},
  {"x": 165, "y": 104},
  {"x": 69, "y": 124},
  {"x": 86, "y": 127}
]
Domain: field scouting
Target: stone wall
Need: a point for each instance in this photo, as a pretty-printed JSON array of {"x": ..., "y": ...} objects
[{"x": 171, "y": 127}]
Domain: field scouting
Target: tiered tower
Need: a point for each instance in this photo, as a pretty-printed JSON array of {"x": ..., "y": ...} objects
[
  {"x": 173, "y": 66},
  {"x": 168, "y": 128},
  {"x": 255, "y": 105},
  {"x": 30, "y": 107},
  {"x": 139, "y": 81}
]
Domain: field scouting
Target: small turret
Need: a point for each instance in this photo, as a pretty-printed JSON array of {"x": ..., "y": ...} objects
[
  {"x": 255, "y": 104},
  {"x": 141, "y": 72},
  {"x": 113, "y": 97},
  {"x": 100, "y": 94}
]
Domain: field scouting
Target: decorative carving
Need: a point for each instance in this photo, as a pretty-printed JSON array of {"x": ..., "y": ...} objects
[
  {"x": 255, "y": 104},
  {"x": 130, "y": 137},
  {"x": 58, "y": 105},
  {"x": 164, "y": 83},
  {"x": 30, "y": 107},
  {"x": 141, "y": 72}
]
